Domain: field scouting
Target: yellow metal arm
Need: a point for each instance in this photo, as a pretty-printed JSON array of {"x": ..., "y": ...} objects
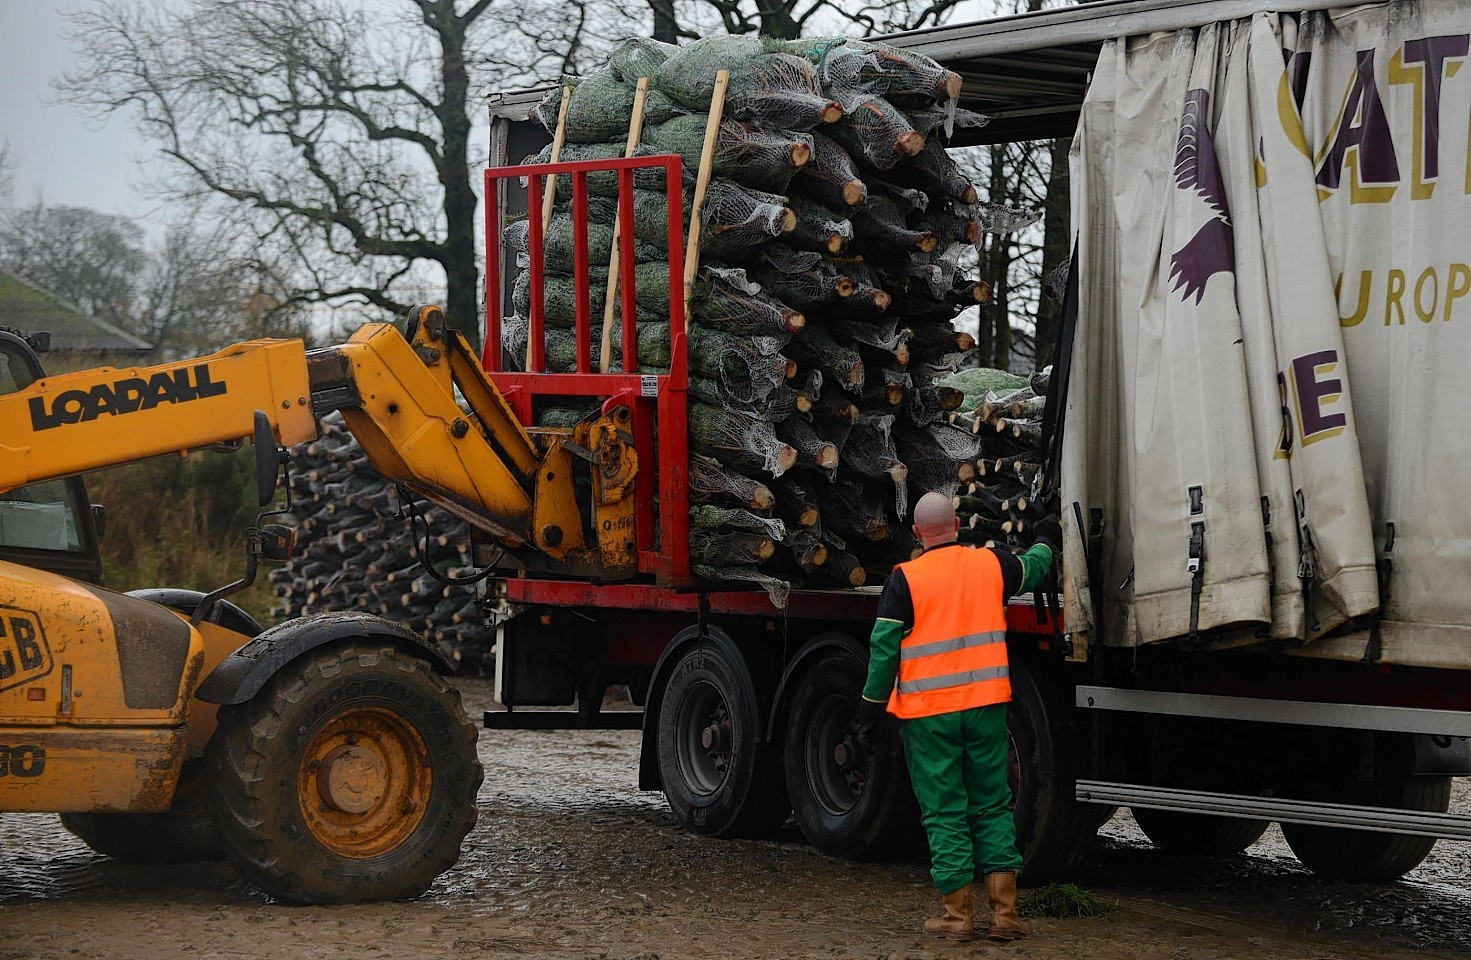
[
  {"x": 97, "y": 418},
  {"x": 398, "y": 400},
  {"x": 401, "y": 400}
]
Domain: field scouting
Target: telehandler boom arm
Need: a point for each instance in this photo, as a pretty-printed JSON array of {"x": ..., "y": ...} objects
[{"x": 398, "y": 397}]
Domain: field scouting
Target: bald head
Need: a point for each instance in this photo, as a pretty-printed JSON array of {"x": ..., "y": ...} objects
[{"x": 935, "y": 522}]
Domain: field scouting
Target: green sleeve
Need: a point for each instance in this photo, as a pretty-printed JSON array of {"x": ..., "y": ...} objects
[
  {"x": 883, "y": 659},
  {"x": 1035, "y": 564}
]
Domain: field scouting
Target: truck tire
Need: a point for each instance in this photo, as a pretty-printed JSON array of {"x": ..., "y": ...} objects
[
  {"x": 1053, "y": 830},
  {"x": 1363, "y": 856},
  {"x": 718, "y": 778},
  {"x": 846, "y": 804},
  {"x": 349, "y": 777},
  {"x": 1196, "y": 833},
  {"x": 186, "y": 833}
]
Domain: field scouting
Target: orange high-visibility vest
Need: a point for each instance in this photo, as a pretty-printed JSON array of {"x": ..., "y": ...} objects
[{"x": 955, "y": 657}]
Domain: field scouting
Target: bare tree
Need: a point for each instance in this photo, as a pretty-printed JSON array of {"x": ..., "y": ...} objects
[
  {"x": 789, "y": 19},
  {"x": 200, "y": 290},
  {"x": 337, "y": 130},
  {"x": 1056, "y": 248},
  {"x": 204, "y": 289},
  {"x": 92, "y": 258},
  {"x": 1021, "y": 324},
  {"x": 7, "y": 172}
]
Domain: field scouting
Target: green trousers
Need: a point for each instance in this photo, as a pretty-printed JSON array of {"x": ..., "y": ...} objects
[{"x": 957, "y": 764}]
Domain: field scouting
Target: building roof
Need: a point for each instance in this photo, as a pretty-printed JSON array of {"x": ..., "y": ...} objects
[{"x": 33, "y": 309}]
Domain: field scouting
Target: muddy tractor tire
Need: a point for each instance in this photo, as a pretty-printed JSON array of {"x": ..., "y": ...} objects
[
  {"x": 1195, "y": 833},
  {"x": 349, "y": 777},
  {"x": 719, "y": 779},
  {"x": 851, "y": 800},
  {"x": 1371, "y": 857},
  {"x": 184, "y": 834}
]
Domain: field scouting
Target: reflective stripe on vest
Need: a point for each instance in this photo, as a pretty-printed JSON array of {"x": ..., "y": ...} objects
[
  {"x": 954, "y": 658},
  {"x": 953, "y": 680},
  {"x": 911, "y": 651}
]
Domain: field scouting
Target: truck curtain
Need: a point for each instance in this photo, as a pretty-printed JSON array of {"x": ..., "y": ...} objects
[{"x": 1274, "y": 301}]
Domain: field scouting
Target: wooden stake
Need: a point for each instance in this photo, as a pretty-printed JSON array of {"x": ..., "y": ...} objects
[
  {"x": 702, "y": 183},
  {"x": 635, "y": 134},
  {"x": 558, "y": 138}
]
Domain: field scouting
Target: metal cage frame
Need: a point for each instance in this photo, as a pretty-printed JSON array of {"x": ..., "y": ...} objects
[{"x": 658, "y": 403}]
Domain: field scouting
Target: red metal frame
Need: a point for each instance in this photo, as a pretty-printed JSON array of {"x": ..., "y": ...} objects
[
  {"x": 851, "y": 606},
  {"x": 658, "y": 402}
]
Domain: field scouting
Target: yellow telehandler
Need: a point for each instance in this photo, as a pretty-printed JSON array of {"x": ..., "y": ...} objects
[{"x": 326, "y": 756}]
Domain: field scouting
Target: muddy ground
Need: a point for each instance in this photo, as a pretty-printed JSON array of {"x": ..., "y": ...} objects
[{"x": 570, "y": 860}]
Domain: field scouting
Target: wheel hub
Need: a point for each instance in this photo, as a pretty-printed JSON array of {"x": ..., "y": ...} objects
[
  {"x": 364, "y": 785},
  {"x": 706, "y": 738},
  {"x": 836, "y": 761},
  {"x": 716, "y": 738},
  {"x": 849, "y": 755},
  {"x": 352, "y": 779}
]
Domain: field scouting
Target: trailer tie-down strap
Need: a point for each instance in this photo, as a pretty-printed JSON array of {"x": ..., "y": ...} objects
[
  {"x": 1307, "y": 566},
  {"x": 1195, "y": 565},
  {"x": 1195, "y": 560},
  {"x": 1384, "y": 567}
]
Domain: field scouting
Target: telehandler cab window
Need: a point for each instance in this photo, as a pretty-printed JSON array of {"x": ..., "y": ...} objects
[{"x": 41, "y": 516}]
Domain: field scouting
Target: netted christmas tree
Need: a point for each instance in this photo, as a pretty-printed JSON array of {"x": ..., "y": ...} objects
[{"x": 828, "y": 386}]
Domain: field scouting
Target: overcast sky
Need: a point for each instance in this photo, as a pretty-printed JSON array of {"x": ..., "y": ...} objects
[
  {"x": 59, "y": 153},
  {"x": 66, "y": 158}
]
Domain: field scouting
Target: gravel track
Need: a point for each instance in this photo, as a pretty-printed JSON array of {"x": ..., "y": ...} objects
[{"x": 569, "y": 860}]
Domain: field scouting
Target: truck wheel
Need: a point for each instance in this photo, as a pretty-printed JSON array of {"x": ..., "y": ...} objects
[
  {"x": 1194, "y": 833},
  {"x": 1053, "y": 830},
  {"x": 1363, "y": 856},
  {"x": 350, "y": 776},
  {"x": 186, "y": 833},
  {"x": 848, "y": 803},
  {"x": 718, "y": 779}
]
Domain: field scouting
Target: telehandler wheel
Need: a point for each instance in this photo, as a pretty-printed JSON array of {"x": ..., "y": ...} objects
[
  {"x": 186, "y": 833},
  {"x": 350, "y": 776}
]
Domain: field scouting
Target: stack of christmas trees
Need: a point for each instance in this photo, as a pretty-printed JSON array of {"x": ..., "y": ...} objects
[
  {"x": 355, "y": 550},
  {"x": 821, "y": 348}
]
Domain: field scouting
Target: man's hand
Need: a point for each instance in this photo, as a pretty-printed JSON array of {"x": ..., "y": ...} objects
[
  {"x": 869, "y": 715},
  {"x": 1049, "y": 531}
]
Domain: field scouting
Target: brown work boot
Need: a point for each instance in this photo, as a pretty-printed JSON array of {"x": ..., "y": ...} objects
[
  {"x": 1006, "y": 924},
  {"x": 955, "y": 923}
]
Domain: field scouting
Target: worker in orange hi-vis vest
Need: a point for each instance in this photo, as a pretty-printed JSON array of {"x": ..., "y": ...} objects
[{"x": 938, "y": 663}]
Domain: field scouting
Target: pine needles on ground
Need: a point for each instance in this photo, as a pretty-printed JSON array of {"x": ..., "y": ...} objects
[{"x": 1061, "y": 900}]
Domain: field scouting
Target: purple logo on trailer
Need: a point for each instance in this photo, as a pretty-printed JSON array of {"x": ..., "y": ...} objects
[{"x": 1210, "y": 251}]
